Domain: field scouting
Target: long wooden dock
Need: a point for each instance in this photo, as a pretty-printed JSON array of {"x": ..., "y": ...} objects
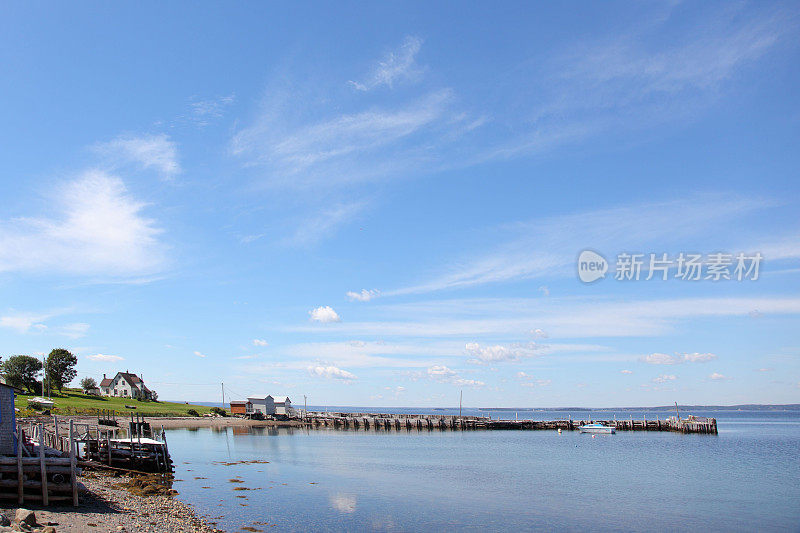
[{"x": 384, "y": 421}]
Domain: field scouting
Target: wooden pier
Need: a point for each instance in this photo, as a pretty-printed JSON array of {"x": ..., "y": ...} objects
[
  {"x": 44, "y": 469},
  {"x": 381, "y": 421}
]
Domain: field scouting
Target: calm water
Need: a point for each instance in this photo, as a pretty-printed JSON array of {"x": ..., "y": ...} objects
[{"x": 746, "y": 478}]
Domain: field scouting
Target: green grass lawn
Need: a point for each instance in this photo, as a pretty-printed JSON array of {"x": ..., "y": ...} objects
[{"x": 73, "y": 401}]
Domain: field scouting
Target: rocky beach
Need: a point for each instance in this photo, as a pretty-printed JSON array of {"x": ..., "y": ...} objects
[{"x": 111, "y": 503}]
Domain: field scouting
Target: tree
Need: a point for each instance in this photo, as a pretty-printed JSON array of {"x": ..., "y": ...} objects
[
  {"x": 60, "y": 368},
  {"x": 88, "y": 384},
  {"x": 21, "y": 370}
]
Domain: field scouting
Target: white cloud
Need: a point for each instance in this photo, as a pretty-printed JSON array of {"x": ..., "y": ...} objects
[
  {"x": 199, "y": 354},
  {"x": 440, "y": 371},
  {"x": 468, "y": 382},
  {"x": 96, "y": 227},
  {"x": 150, "y": 151},
  {"x": 445, "y": 374},
  {"x": 539, "y": 333},
  {"x": 260, "y": 342},
  {"x": 105, "y": 358},
  {"x": 626, "y": 371},
  {"x": 324, "y": 314},
  {"x": 395, "y": 66},
  {"x": 716, "y": 376},
  {"x": 664, "y": 378},
  {"x": 363, "y": 296},
  {"x": 499, "y": 353},
  {"x": 678, "y": 358},
  {"x": 331, "y": 372},
  {"x": 247, "y": 357}
]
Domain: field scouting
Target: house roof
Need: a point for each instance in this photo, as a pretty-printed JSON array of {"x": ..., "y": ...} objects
[
  {"x": 12, "y": 387},
  {"x": 279, "y": 398},
  {"x": 134, "y": 380},
  {"x": 238, "y": 402}
]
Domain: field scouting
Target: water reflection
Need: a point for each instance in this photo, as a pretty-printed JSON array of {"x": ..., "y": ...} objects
[{"x": 344, "y": 503}]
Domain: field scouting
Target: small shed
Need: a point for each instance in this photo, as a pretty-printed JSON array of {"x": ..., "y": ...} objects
[
  {"x": 8, "y": 420},
  {"x": 238, "y": 407}
]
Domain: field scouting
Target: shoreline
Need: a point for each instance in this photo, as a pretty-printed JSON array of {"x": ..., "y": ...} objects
[
  {"x": 106, "y": 505},
  {"x": 215, "y": 422}
]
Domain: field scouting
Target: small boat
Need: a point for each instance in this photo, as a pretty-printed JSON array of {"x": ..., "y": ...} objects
[
  {"x": 596, "y": 427},
  {"x": 43, "y": 402}
]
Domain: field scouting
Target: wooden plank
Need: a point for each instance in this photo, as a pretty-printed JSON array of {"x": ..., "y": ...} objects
[
  {"x": 45, "y": 501},
  {"x": 34, "y": 461}
]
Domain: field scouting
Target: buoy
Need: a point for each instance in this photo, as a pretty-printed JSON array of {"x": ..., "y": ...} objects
[
  {"x": 559, "y": 431},
  {"x": 594, "y": 436}
]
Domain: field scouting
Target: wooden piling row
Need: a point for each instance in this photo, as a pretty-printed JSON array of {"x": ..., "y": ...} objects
[{"x": 449, "y": 422}]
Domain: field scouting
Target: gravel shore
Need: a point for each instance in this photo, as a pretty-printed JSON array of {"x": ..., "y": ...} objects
[{"x": 107, "y": 506}]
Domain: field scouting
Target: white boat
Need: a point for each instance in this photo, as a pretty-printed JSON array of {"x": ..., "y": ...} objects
[
  {"x": 596, "y": 427},
  {"x": 44, "y": 402}
]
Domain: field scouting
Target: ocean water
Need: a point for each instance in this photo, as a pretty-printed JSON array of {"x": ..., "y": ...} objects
[{"x": 746, "y": 478}]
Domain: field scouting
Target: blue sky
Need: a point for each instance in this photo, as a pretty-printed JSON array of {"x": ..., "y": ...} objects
[{"x": 382, "y": 204}]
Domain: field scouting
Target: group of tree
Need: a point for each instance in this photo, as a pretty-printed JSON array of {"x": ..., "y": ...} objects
[{"x": 22, "y": 371}]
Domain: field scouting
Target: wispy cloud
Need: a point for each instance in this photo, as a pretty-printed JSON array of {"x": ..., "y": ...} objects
[
  {"x": 260, "y": 342},
  {"x": 621, "y": 84},
  {"x": 363, "y": 296},
  {"x": 22, "y": 322},
  {"x": 204, "y": 111},
  {"x": 322, "y": 224},
  {"x": 567, "y": 318},
  {"x": 348, "y": 148},
  {"x": 105, "y": 358},
  {"x": 199, "y": 354},
  {"x": 664, "y": 378},
  {"x": 156, "y": 152},
  {"x": 716, "y": 376},
  {"x": 74, "y": 331},
  {"x": 548, "y": 246},
  {"x": 678, "y": 358},
  {"x": 93, "y": 226},
  {"x": 444, "y": 374},
  {"x": 499, "y": 353},
  {"x": 395, "y": 66}
]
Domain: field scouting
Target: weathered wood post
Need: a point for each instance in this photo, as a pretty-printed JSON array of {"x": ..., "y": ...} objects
[
  {"x": 20, "y": 477},
  {"x": 58, "y": 441},
  {"x": 72, "y": 475},
  {"x": 108, "y": 448},
  {"x": 45, "y": 496}
]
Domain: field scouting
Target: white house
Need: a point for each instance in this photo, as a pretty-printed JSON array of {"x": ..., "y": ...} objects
[
  {"x": 269, "y": 405},
  {"x": 125, "y": 385}
]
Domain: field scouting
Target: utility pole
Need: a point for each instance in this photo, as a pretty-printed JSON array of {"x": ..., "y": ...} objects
[
  {"x": 223, "y": 394},
  {"x": 305, "y": 407},
  {"x": 460, "y": 400}
]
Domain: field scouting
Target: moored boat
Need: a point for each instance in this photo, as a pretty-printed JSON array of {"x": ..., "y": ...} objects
[{"x": 596, "y": 427}]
